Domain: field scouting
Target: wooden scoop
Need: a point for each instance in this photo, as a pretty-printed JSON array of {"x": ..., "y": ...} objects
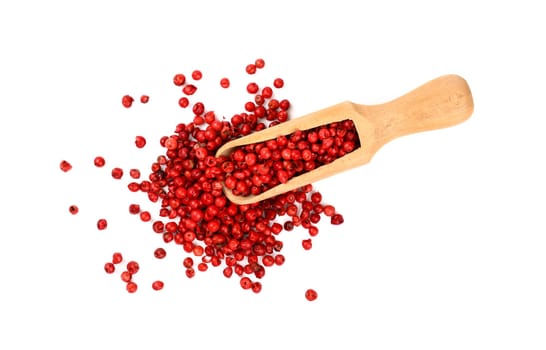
[{"x": 442, "y": 102}]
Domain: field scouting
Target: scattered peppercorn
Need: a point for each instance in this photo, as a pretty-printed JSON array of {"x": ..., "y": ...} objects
[{"x": 187, "y": 180}]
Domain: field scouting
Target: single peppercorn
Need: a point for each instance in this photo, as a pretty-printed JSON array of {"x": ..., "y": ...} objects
[
  {"x": 260, "y": 63},
  {"x": 329, "y": 210},
  {"x": 190, "y": 272},
  {"x": 133, "y": 267},
  {"x": 109, "y": 267},
  {"x": 145, "y": 216},
  {"x": 256, "y": 287},
  {"x": 144, "y": 99},
  {"x": 224, "y": 82},
  {"x": 179, "y": 79},
  {"x": 160, "y": 253},
  {"x": 336, "y": 219},
  {"x": 117, "y": 173},
  {"x": 251, "y": 69},
  {"x": 189, "y": 89},
  {"x": 132, "y": 287},
  {"x": 127, "y": 101},
  {"x": 198, "y": 108},
  {"x": 279, "y": 259},
  {"x": 157, "y": 285},
  {"x": 252, "y": 88},
  {"x": 117, "y": 258},
  {"x": 102, "y": 224},
  {"x": 126, "y": 276},
  {"x": 73, "y": 209},
  {"x": 311, "y": 294},
  {"x": 196, "y": 75},
  {"x": 99, "y": 162},
  {"x": 133, "y": 186},
  {"x": 278, "y": 83},
  {"x": 183, "y": 102},
  {"x": 134, "y": 209},
  {"x": 188, "y": 262},
  {"x": 134, "y": 173},
  {"x": 65, "y": 166},
  {"x": 140, "y": 141},
  {"x": 228, "y": 271},
  {"x": 246, "y": 283}
]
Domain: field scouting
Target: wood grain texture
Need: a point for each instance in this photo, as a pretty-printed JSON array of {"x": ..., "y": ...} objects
[{"x": 440, "y": 103}]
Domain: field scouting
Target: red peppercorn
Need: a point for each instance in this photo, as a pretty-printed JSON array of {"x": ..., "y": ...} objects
[
  {"x": 157, "y": 285},
  {"x": 196, "y": 75},
  {"x": 145, "y": 216},
  {"x": 189, "y": 89},
  {"x": 198, "y": 108},
  {"x": 228, "y": 271},
  {"x": 132, "y": 267},
  {"x": 311, "y": 294},
  {"x": 144, "y": 99},
  {"x": 224, "y": 82},
  {"x": 202, "y": 267},
  {"x": 168, "y": 237},
  {"x": 131, "y": 287},
  {"x": 329, "y": 210},
  {"x": 256, "y": 287},
  {"x": 188, "y": 262},
  {"x": 251, "y": 69},
  {"x": 307, "y": 244},
  {"x": 259, "y": 99},
  {"x": 179, "y": 79},
  {"x": 249, "y": 107},
  {"x": 279, "y": 259},
  {"x": 99, "y": 162},
  {"x": 73, "y": 209},
  {"x": 158, "y": 227},
  {"x": 126, "y": 276},
  {"x": 183, "y": 102},
  {"x": 278, "y": 83},
  {"x": 288, "y": 226},
  {"x": 127, "y": 101},
  {"x": 316, "y": 197},
  {"x": 134, "y": 173},
  {"x": 102, "y": 224},
  {"x": 140, "y": 141},
  {"x": 267, "y": 92},
  {"x": 134, "y": 209},
  {"x": 117, "y": 258},
  {"x": 190, "y": 272},
  {"x": 268, "y": 260},
  {"x": 284, "y": 105},
  {"x": 171, "y": 143},
  {"x": 197, "y": 250},
  {"x": 246, "y": 283},
  {"x": 260, "y": 63},
  {"x": 65, "y": 166},
  {"x": 187, "y": 182},
  {"x": 109, "y": 267},
  {"x": 252, "y": 88},
  {"x": 117, "y": 173},
  {"x": 313, "y": 231},
  {"x": 336, "y": 219},
  {"x": 160, "y": 253},
  {"x": 133, "y": 186}
]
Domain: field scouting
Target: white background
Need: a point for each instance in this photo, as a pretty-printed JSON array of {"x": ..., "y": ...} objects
[{"x": 443, "y": 245}]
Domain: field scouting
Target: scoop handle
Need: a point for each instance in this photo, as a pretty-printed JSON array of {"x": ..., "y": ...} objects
[{"x": 440, "y": 103}]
